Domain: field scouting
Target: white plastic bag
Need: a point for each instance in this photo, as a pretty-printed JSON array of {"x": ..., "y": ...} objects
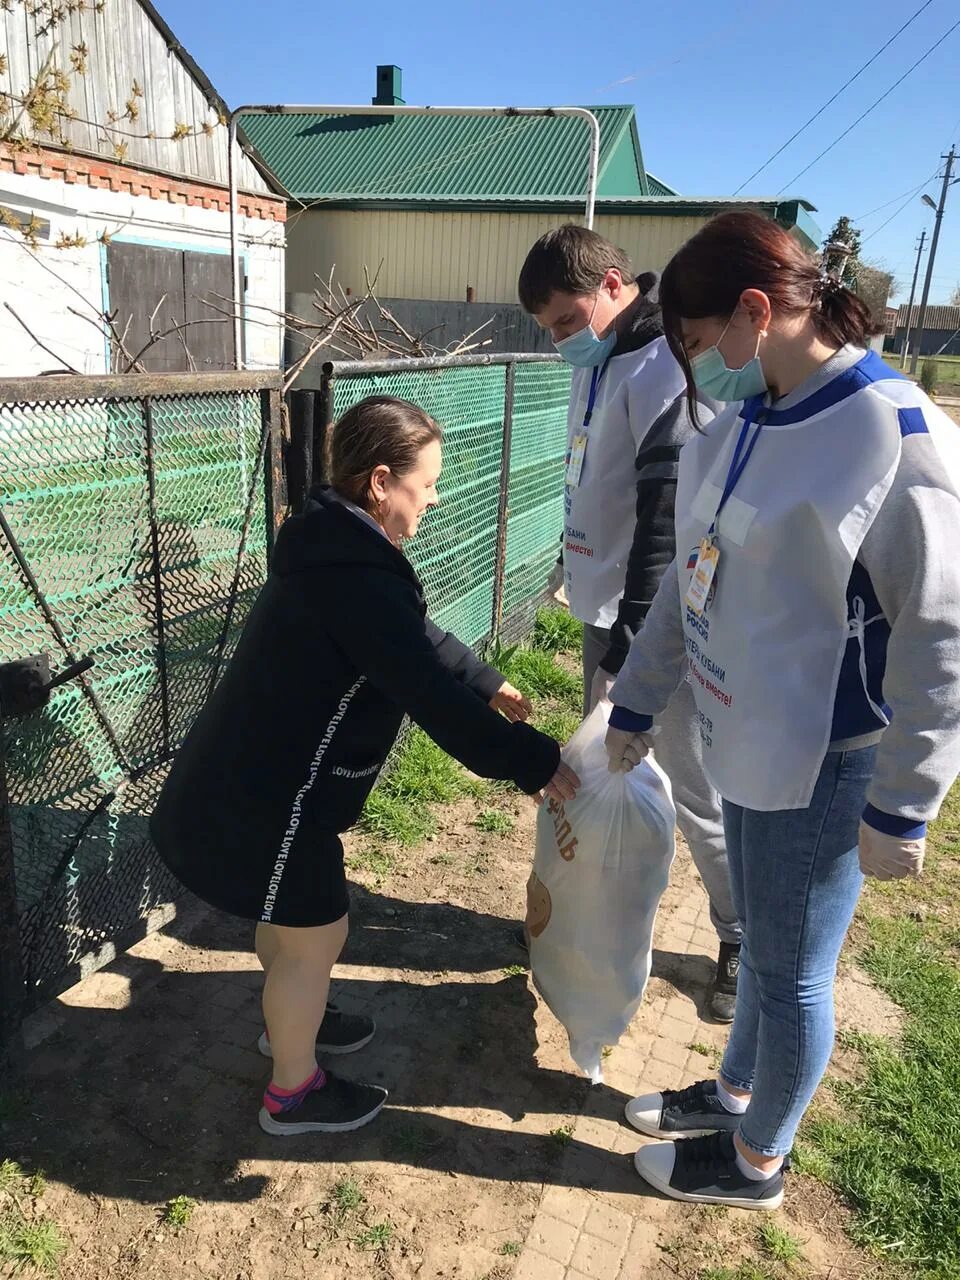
[{"x": 600, "y": 869}]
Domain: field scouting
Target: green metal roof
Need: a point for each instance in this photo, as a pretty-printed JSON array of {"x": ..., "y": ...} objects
[
  {"x": 448, "y": 159},
  {"x": 658, "y": 188}
]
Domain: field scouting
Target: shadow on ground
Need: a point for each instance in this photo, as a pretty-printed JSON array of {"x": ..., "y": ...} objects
[{"x": 160, "y": 1097}]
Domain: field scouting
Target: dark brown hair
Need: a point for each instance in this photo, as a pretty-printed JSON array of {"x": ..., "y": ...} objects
[
  {"x": 379, "y": 431},
  {"x": 570, "y": 259},
  {"x": 743, "y": 250}
]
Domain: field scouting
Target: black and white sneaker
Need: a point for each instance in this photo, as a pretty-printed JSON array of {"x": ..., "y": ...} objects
[
  {"x": 704, "y": 1171},
  {"x": 339, "y": 1033},
  {"x": 688, "y": 1113},
  {"x": 338, "y": 1107}
]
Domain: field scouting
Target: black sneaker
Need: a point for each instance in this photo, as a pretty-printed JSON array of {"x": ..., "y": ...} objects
[
  {"x": 339, "y": 1033},
  {"x": 689, "y": 1113},
  {"x": 722, "y": 1001},
  {"x": 704, "y": 1171},
  {"x": 341, "y": 1105}
]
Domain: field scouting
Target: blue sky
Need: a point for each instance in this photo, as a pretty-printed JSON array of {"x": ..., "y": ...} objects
[{"x": 718, "y": 87}]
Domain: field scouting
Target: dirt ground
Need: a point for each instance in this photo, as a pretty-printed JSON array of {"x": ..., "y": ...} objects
[{"x": 146, "y": 1081}]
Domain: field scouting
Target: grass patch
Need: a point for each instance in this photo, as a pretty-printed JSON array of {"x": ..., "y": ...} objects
[
  {"x": 559, "y": 723},
  {"x": 890, "y": 1140},
  {"x": 515, "y": 971},
  {"x": 778, "y": 1244},
  {"x": 746, "y": 1270},
  {"x": 424, "y": 772},
  {"x": 391, "y": 818},
  {"x": 495, "y": 821},
  {"x": 346, "y": 1197},
  {"x": 376, "y": 1238},
  {"x": 708, "y": 1051},
  {"x": 536, "y": 673},
  {"x": 557, "y": 631},
  {"x": 414, "y": 1141},
  {"x": 562, "y": 1136},
  {"x": 894, "y": 1150},
  {"x": 178, "y": 1211},
  {"x": 27, "y": 1238},
  {"x": 421, "y": 774},
  {"x": 511, "y": 1249},
  {"x": 376, "y": 861}
]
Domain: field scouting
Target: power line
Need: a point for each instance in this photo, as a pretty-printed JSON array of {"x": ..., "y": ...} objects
[
  {"x": 909, "y": 200},
  {"x": 872, "y": 107},
  {"x": 832, "y": 100},
  {"x": 860, "y": 217}
]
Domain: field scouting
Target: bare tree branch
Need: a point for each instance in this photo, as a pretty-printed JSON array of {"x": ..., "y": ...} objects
[
  {"x": 158, "y": 336},
  {"x": 60, "y": 360}
]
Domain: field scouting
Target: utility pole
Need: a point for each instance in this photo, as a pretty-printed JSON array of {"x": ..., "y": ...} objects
[
  {"x": 913, "y": 294},
  {"x": 947, "y": 176}
]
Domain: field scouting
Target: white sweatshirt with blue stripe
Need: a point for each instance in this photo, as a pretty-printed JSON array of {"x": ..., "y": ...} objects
[{"x": 905, "y": 584}]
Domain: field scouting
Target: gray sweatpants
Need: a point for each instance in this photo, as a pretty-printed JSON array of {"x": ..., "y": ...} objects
[{"x": 699, "y": 816}]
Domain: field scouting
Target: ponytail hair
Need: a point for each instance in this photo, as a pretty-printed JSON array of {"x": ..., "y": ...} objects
[{"x": 743, "y": 250}]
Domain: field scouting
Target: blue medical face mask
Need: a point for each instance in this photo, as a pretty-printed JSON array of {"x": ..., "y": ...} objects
[
  {"x": 584, "y": 349},
  {"x": 716, "y": 379}
]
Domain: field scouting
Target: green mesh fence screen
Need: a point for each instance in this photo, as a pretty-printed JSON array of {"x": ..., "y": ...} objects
[
  {"x": 75, "y": 488},
  {"x": 535, "y": 508},
  {"x": 455, "y": 551}
]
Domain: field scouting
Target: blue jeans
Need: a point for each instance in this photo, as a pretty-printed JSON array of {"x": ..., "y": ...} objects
[{"x": 795, "y": 876}]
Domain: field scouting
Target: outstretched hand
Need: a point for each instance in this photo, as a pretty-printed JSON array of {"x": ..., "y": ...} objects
[{"x": 510, "y": 702}]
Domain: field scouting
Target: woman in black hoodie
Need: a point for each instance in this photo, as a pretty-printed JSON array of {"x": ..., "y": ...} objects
[{"x": 281, "y": 759}]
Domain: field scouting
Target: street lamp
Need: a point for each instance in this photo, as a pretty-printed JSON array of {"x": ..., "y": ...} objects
[{"x": 930, "y": 201}]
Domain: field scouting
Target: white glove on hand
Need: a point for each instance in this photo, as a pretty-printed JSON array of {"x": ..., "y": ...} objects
[
  {"x": 625, "y": 749},
  {"x": 600, "y": 686},
  {"x": 889, "y": 857}
]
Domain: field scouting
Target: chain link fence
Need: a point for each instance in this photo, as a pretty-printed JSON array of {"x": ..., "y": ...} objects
[
  {"x": 136, "y": 518},
  {"x": 133, "y": 539}
]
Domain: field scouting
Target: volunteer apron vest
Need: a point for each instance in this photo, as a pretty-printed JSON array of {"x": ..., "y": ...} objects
[
  {"x": 600, "y": 508},
  {"x": 765, "y": 653}
]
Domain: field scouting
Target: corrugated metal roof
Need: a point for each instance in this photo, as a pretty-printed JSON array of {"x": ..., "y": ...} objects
[
  {"x": 684, "y": 203},
  {"x": 445, "y": 158},
  {"x": 658, "y": 188},
  {"x": 936, "y": 318}
]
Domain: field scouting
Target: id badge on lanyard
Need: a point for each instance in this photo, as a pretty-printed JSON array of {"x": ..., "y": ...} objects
[
  {"x": 578, "y": 445},
  {"x": 703, "y": 580}
]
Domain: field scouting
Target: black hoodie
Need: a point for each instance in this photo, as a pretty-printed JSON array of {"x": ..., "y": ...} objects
[{"x": 336, "y": 648}]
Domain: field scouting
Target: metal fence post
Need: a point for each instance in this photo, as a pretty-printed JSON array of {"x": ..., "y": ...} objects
[
  {"x": 274, "y": 480},
  {"x": 500, "y": 563},
  {"x": 12, "y": 994},
  {"x": 321, "y": 429},
  {"x": 156, "y": 555},
  {"x": 298, "y": 460}
]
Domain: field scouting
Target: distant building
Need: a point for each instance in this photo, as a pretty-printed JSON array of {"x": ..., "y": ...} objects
[
  {"x": 127, "y": 174},
  {"x": 941, "y": 331},
  {"x": 443, "y": 209}
]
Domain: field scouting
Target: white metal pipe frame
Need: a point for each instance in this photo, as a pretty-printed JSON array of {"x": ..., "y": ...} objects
[{"x": 580, "y": 113}]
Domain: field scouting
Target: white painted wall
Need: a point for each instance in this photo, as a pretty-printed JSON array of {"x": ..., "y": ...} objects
[{"x": 43, "y": 285}]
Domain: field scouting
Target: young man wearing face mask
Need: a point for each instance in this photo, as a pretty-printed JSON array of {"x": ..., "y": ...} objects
[{"x": 627, "y": 422}]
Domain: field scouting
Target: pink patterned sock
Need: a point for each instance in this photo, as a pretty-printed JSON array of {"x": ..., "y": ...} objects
[{"x": 276, "y": 1099}]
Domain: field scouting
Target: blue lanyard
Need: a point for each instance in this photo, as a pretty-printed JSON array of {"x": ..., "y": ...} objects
[
  {"x": 598, "y": 371},
  {"x": 738, "y": 463}
]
